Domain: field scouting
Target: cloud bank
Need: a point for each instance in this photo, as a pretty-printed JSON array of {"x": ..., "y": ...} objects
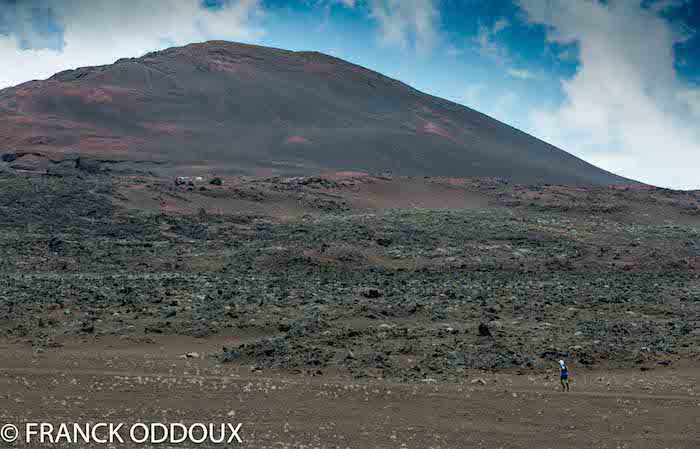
[{"x": 626, "y": 109}]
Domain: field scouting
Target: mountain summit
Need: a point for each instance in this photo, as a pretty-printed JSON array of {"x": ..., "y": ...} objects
[{"x": 240, "y": 109}]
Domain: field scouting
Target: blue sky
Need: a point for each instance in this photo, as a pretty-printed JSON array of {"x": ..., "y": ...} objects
[{"x": 616, "y": 82}]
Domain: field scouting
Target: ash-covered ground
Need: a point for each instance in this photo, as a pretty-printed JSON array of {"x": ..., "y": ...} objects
[{"x": 409, "y": 279}]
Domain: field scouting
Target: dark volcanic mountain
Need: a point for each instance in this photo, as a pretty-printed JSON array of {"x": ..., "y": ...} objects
[{"x": 233, "y": 108}]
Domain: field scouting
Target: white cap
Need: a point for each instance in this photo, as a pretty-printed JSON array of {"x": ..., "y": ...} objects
[{"x": 561, "y": 362}]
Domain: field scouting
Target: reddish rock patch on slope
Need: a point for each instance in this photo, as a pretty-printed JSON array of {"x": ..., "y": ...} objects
[
  {"x": 432, "y": 128},
  {"x": 297, "y": 140}
]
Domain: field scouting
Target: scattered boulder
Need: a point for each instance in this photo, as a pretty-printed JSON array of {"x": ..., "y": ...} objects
[
  {"x": 484, "y": 330},
  {"x": 229, "y": 355},
  {"x": 9, "y": 157},
  {"x": 55, "y": 245},
  {"x": 384, "y": 242},
  {"x": 90, "y": 166},
  {"x": 494, "y": 308},
  {"x": 371, "y": 293}
]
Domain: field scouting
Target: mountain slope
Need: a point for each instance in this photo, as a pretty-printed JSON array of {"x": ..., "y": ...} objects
[{"x": 237, "y": 108}]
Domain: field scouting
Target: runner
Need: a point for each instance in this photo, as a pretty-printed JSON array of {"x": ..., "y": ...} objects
[{"x": 564, "y": 376}]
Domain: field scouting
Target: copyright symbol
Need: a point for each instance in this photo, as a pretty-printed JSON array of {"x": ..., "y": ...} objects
[{"x": 9, "y": 433}]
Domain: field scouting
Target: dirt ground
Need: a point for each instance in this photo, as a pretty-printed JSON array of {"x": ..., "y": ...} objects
[{"x": 117, "y": 380}]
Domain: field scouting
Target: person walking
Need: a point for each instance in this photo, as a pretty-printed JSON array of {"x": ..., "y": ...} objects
[{"x": 564, "y": 376}]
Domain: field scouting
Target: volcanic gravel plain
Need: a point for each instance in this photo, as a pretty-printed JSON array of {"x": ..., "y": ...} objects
[{"x": 349, "y": 310}]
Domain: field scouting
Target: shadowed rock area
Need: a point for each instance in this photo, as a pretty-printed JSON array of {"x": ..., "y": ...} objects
[{"x": 242, "y": 109}]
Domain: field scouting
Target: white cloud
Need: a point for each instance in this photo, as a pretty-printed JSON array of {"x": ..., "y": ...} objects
[
  {"x": 625, "y": 109},
  {"x": 489, "y": 46},
  {"x": 405, "y": 23},
  {"x": 500, "y": 24},
  {"x": 692, "y": 99},
  {"x": 102, "y": 31},
  {"x": 521, "y": 74}
]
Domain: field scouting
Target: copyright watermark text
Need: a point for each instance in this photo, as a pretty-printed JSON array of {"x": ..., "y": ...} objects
[{"x": 116, "y": 433}]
